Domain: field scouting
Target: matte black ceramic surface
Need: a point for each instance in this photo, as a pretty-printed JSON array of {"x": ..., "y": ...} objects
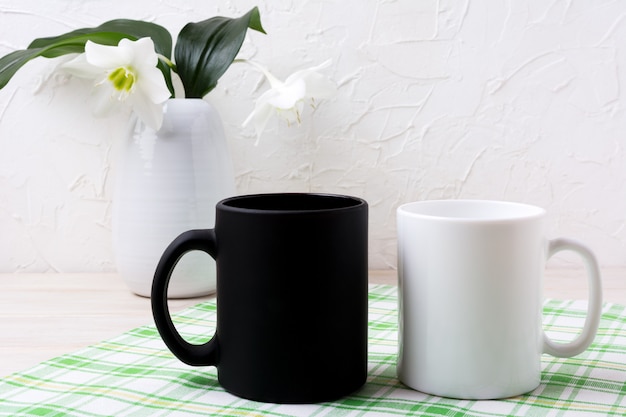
[{"x": 292, "y": 296}]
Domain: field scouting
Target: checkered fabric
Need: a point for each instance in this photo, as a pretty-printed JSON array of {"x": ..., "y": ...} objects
[{"x": 135, "y": 375}]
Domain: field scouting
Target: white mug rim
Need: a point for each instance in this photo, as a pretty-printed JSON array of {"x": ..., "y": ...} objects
[{"x": 438, "y": 210}]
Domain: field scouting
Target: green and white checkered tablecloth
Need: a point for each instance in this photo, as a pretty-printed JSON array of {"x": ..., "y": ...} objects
[{"x": 135, "y": 375}]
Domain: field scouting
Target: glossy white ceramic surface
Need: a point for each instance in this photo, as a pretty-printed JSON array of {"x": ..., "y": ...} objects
[
  {"x": 470, "y": 292},
  {"x": 168, "y": 182}
]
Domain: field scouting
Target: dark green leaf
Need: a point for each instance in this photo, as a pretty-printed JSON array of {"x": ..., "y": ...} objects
[
  {"x": 206, "y": 49},
  {"x": 131, "y": 29},
  {"x": 9, "y": 64},
  {"x": 109, "y": 33},
  {"x": 12, "y": 62},
  {"x": 76, "y": 44},
  {"x": 123, "y": 28}
]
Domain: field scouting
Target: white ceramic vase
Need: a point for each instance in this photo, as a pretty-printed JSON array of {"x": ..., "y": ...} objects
[{"x": 168, "y": 181}]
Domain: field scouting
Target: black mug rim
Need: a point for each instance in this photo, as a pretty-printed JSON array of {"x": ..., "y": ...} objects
[{"x": 331, "y": 203}]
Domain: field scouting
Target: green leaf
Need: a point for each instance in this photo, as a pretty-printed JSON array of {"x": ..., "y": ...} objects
[
  {"x": 109, "y": 33},
  {"x": 9, "y": 64},
  {"x": 12, "y": 62},
  {"x": 205, "y": 50},
  {"x": 75, "y": 44}
]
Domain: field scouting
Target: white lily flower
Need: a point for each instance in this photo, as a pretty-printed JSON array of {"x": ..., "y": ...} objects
[
  {"x": 125, "y": 73},
  {"x": 286, "y": 99}
]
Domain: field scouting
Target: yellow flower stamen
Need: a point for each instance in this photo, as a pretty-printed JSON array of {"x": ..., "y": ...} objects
[{"x": 122, "y": 79}]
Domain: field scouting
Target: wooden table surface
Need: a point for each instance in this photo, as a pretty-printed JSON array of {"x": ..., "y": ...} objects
[{"x": 46, "y": 315}]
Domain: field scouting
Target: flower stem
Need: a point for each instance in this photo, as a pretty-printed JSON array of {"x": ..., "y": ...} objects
[
  {"x": 274, "y": 82},
  {"x": 167, "y": 61}
]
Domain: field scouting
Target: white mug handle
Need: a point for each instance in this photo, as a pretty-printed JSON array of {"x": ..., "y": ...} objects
[{"x": 594, "y": 308}]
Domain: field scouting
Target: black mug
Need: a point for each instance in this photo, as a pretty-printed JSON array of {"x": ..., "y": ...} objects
[{"x": 291, "y": 296}]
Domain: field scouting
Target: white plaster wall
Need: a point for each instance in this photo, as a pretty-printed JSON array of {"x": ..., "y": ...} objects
[{"x": 519, "y": 100}]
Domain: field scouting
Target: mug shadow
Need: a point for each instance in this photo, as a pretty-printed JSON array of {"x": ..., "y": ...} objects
[{"x": 199, "y": 380}]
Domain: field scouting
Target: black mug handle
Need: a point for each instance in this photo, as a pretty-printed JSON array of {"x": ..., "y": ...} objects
[{"x": 198, "y": 355}]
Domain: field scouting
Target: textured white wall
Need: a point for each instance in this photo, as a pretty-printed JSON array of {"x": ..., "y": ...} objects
[{"x": 518, "y": 100}]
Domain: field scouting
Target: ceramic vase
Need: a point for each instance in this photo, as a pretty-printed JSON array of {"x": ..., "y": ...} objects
[{"x": 169, "y": 181}]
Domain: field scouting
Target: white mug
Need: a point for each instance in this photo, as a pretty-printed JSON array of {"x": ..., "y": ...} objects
[{"x": 470, "y": 297}]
